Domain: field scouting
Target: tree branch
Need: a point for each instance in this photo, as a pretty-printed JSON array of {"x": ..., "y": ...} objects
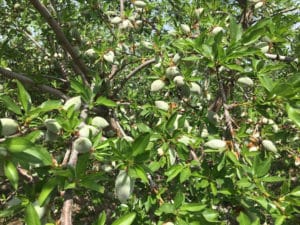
[
  {"x": 23, "y": 78},
  {"x": 62, "y": 38},
  {"x": 132, "y": 73}
]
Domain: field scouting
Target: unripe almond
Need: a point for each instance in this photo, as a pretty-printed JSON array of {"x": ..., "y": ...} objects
[
  {"x": 124, "y": 186},
  {"x": 157, "y": 85},
  {"x": 246, "y": 81},
  {"x": 185, "y": 28},
  {"x": 86, "y": 130},
  {"x": 8, "y": 126},
  {"x": 162, "y": 105},
  {"x": 50, "y": 136},
  {"x": 269, "y": 145},
  {"x": 179, "y": 80},
  {"x": 217, "y": 30},
  {"x": 147, "y": 44},
  {"x": 128, "y": 138},
  {"x": 126, "y": 24},
  {"x": 109, "y": 56},
  {"x": 172, "y": 71},
  {"x": 176, "y": 58},
  {"x": 90, "y": 52},
  {"x": 76, "y": 101},
  {"x": 199, "y": 11},
  {"x": 116, "y": 20},
  {"x": 215, "y": 144},
  {"x": 3, "y": 151},
  {"x": 41, "y": 210},
  {"x": 195, "y": 88},
  {"x": 140, "y": 4},
  {"x": 99, "y": 122},
  {"x": 258, "y": 5},
  {"x": 52, "y": 125},
  {"x": 82, "y": 145}
]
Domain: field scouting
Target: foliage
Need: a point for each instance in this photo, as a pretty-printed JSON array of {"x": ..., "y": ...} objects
[{"x": 192, "y": 109}]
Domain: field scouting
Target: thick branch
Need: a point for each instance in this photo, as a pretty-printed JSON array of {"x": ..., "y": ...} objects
[
  {"x": 24, "y": 79},
  {"x": 132, "y": 73},
  {"x": 62, "y": 38}
]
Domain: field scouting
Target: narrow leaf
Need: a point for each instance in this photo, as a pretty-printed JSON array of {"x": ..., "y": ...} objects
[
  {"x": 24, "y": 97},
  {"x": 140, "y": 144},
  {"x": 31, "y": 216},
  {"x": 11, "y": 173},
  {"x": 105, "y": 101},
  {"x": 126, "y": 219}
]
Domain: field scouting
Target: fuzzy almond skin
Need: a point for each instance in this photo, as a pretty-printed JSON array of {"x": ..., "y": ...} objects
[
  {"x": 123, "y": 186},
  {"x": 269, "y": 145},
  {"x": 76, "y": 101},
  {"x": 8, "y": 126},
  {"x": 246, "y": 81},
  {"x": 215, "y": 144},
  {"x": 99, "y": 122},
  {"x": 157, "y": 85},
  {"x": 162, "y": 105},
  {"x": 86, "y": 130},
  {"x": 140, "y": 4},
  {"x": 52, "y": 125},
  {"x": 82, "y": 145}
]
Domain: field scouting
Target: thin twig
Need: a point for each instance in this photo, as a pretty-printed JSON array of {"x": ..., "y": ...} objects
[
  {"x": 25, "y": 79},
  {"x": 132, "y": 73},
  {"x": 62, "y": 38}
]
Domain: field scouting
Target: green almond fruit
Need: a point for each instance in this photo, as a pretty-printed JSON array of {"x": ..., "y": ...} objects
[
  {"x": 99, "y": 122},
  {"x": 50, "y": 136},
  {"x": 185, "y": 28},
  {"x": 162, "y": 105},
  {"x": 82, "y": 145},
  {"x": 86, "y": 130},
  {"x": 269, "y": 145},
  {"x": 76, "y": 101},
  {"x": 157, "y": 85},
  {"x": 124, "y": 186},
  {"x": 217, "y": 30},
  {"x": 52, "y": 125},
  {"x": 172, "y": 71},
  {"x": 116, "y": 20},
  {"x": 109, "y": 56},
  {"x": 215, "y": 144},
  {"x": 179, "y": 80},
  {"x": 140, "y": 4},
  {"x": 195, "y": 88},
  {"x": 8, "y": 126},
  {"x": 246, "y": 81}
]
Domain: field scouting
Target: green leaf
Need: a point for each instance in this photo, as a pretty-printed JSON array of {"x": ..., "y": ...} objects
[
  {"x": 280, "y": 220},
  {"x": 179, "y": 199},
  {"x": 272, "y": 179},
  {"x": 173, "y": 172},
  {"x": 31, "y": 216},
  {"x": 138, "y": 172},
  {"x": 140, "y": 144},
  {"x": 210, "y": 215},
  {"x": 236, "y": 30},
  {"x": 283, "y": 90},
  {"x": 295, "y": 192},
  {"x": 185, "y": 174},
  {"x": 17, "y": 144},
  {"x": 243, "y": 219},
  {"x": 261, "y": 167},
  {"x": 266, "y": 82},
  {"x": 24, "y": 97},
  {"x": 10, "y": 104},
  {"x": 11, "y": 173},
  {"x": 101, "y": 219},
  {"x": 39, "y": 155},
  {"x": 166, "y": 208},
  {"x": 126, "y": 219},
  {"x": 192, "y": 207},
  {"x": 293, "y": 114},
  {"x": 46, "y": 190},
  {"x": 234, "y": 67},
  {"x": 105, "y": 101},
  {"x": 171, "y": 121}
]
